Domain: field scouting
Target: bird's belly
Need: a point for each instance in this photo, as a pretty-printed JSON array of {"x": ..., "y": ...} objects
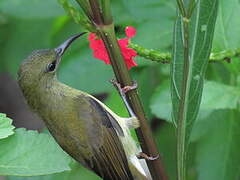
[{"x": 69, "y": 135}]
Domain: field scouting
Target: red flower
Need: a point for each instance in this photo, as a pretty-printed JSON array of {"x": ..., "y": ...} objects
[
  {"x": 130, "y": 31},
  {"x": 100, "y": 52}
]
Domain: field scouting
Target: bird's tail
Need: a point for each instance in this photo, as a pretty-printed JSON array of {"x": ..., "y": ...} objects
[
  {"x": 137, "y": 175},
  {"x": 139, "y": 169}
]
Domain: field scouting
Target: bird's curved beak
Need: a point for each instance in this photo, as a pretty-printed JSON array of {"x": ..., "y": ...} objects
[{"x": 63, "y": 47}]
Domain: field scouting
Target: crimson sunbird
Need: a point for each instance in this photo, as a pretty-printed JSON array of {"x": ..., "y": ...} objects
[{"x": 82, "y": 125}]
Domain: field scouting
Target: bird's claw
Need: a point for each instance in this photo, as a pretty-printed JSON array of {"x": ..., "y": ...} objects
[
  {"x": 142, "y": 155},
  {"x": 116, "y": 84},
  {"x": 126, "y": 88},
  {"x": 129, "y": 88},
  {"x": 122, "y": 92}
]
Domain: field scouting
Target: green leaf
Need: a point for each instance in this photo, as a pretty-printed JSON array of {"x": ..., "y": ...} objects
[
  {"x": 161, "y": 105},
  {"x": 35, "y": 8},
  {"x": 215, "y": 96},
  {"x": 6, "y": 128},
  {"x": 218, "y": 151},
  {"x": 227, "y": 34},
  {"x": 219, "y": 96},
  {"x": 227, "y": 26},
  {"x": 77, "y": 172},
  {"x": 218, "y": 72},
  {"x": 28, "y": 153},
  {"x": 199, "y": 50},
  {"x": 191, "y": 50}
]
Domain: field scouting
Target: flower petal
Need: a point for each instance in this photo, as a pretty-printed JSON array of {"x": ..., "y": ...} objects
[
  {"x": 130, "y": 31},
  {"x": 100, "y": 52}
]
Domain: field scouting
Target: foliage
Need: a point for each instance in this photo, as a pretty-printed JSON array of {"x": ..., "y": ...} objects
[
  {"x": 192, "y": 44},
  {"x": 76, "y": 172},
  {"x": 6, "y": 129},
  {"x": 28, "y": 153},
  {"x": 213, "y": 154}
]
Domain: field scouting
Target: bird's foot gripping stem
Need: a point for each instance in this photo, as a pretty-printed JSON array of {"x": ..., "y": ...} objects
[
  {"x": 142, "y": 155},
  {"x": 129, "y": 88},
  {"x": 123, "y": 91}
]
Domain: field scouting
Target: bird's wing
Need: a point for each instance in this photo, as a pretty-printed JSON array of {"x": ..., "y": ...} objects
[{"x": 107, "y": 157}]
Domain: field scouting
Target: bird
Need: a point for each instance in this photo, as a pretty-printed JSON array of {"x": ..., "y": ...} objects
[{"x": 83, "y": 126}]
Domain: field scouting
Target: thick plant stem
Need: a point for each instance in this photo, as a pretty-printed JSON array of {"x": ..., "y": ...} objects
[
  {"x": 182, "y": 112},
  {"x": 106, "y": 11},
  {"x": 102, "y": 21},
  {"x": 123, "y": 77},
  {"x": 181, "y": 124}
]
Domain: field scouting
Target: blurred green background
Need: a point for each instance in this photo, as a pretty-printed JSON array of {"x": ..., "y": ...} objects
[{"x": 38, "y": 24}]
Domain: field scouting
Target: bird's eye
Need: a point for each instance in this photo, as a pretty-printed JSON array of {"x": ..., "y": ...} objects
[{"x": 51, "y": 67}]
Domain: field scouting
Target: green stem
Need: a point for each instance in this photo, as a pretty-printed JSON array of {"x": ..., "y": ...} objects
[
  {"x": 97, "y": 16},
  {"x": 181, "y": 7},
  {"x": 144, "y": 133},
  {"x": 151, "y": 54},
  {"x": 165, "y": 58},
  {"x": 107, "y": 33},
  {"x": 191, "y": 7},
  {"x": 84, "y": 4},
  {"x": 181, "y": 119},
  {"x": 106, "y": 11},
  {"x": 181, "y": 122},
  {"x": 225, "y": 55}
]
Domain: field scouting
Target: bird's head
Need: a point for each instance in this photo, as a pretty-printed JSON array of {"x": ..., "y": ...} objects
[{"x": 42, "y": 65}]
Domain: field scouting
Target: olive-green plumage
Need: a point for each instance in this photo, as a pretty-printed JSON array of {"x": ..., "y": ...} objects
[{"x": 78, "y": 122}]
